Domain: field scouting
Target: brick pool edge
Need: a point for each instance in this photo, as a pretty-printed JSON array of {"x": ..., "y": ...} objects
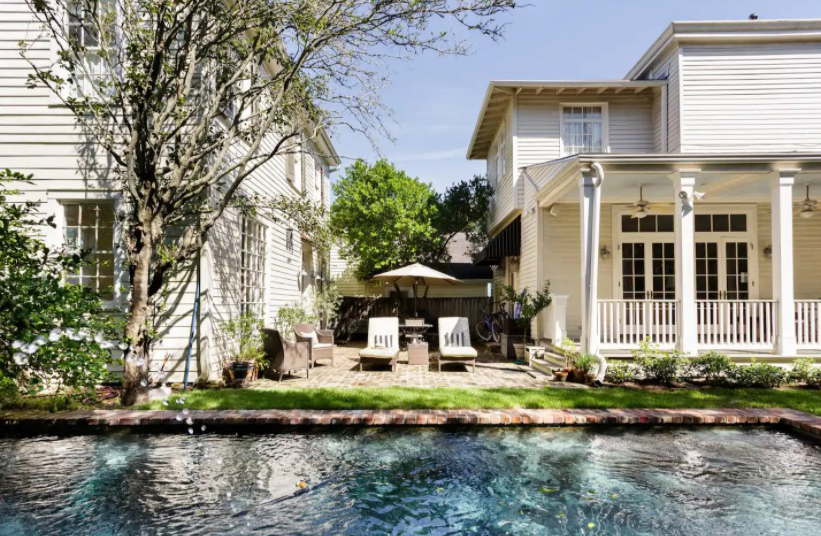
[{"x": 166, "y": 420}]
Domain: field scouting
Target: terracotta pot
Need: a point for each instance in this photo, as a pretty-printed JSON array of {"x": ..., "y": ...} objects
[
  {"x": 580, "y": 376},
  {"x": 519, "y": 350},
  {"x": 561, "y": 375}
]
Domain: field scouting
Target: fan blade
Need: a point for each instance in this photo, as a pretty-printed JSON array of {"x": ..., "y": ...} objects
[{"x": 659, "y": 206}]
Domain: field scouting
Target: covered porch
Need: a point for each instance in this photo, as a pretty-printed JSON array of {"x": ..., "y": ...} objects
[{"x": 692, "y": 252}]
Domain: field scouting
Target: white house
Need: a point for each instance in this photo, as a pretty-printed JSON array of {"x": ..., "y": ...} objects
[
  {"x": 248, "y": 264},
  {"x": 676, "y": 204}
]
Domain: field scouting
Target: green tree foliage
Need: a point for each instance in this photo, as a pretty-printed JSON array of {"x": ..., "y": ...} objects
[
  {"x": 385, "y": 217},
  {"x": 51, "y": 333},
  {"x": 464, "y": 208}
]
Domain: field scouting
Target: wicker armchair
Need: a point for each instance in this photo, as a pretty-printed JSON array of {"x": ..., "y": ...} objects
[
  {"x": 285, "y": 356},
  {"x": 321, "y": 346}
]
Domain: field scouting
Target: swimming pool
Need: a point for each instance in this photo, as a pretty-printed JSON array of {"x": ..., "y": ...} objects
[{"x": 718, "y": 481}]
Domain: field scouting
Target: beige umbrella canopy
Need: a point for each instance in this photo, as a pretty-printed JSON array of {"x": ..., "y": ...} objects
[{"x": 414, "y": 274}]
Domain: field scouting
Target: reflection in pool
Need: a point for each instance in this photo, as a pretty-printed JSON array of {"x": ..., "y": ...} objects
[{"x": 716, "y": 481}]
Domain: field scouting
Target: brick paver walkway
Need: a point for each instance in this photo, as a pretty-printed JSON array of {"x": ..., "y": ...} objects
[
  {"x": 492, "y": 370},
  {"x": 171, "y": 421}
]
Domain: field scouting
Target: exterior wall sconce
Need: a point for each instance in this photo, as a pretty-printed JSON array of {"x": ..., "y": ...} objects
[
  {"x": 605, "y": 253},
  {"x": 768, "y": 252}
]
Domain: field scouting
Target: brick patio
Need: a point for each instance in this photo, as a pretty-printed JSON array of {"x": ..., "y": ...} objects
[
  {"x": 492, "y": 370},
  {"x": 167, "y": 421}
]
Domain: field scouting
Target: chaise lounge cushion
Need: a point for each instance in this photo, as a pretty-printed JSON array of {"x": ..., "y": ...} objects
[
  {"x": 459, "y": 351},
  {"x": 387, "y": 353}
]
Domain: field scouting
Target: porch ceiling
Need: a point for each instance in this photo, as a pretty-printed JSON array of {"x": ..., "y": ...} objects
[{"x": 721, "y": 182}]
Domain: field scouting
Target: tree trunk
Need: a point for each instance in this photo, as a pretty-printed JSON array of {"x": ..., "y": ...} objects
[{"x": 135, "y": 378}]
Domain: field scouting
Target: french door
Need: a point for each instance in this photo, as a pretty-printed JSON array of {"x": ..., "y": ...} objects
[
  {"x": 648, "y": 270},
  {"x": 722, "y": 270}
]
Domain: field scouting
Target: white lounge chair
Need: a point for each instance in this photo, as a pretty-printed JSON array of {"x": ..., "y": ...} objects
[
  {"x": 454, "y": 342},
  {"x": 383, "y": 342}
]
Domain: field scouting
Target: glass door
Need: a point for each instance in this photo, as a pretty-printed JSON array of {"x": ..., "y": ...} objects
[
  {"x": 648, "y": 271},
  {"x": 722, "y": 270}
]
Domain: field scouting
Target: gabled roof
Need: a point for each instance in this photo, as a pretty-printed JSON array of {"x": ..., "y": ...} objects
[
  {"x": 727, "y": 31},
  {"x": 500, "y": 92}
]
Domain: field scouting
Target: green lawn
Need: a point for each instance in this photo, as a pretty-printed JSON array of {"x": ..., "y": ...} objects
[{"x": 450, "y": 398}]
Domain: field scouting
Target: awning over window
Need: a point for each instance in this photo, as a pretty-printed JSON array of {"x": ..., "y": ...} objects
[{"x": 508, "y": 243}]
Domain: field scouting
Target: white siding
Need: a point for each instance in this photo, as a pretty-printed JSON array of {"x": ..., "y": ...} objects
[
  {"x": 41, "y": 138},
  {"x": 751, "y": 97},
  {"x": 504, "y": 202},
  {"x": 630, "y": 124}
]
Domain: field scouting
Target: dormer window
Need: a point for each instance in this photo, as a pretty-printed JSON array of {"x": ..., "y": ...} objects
[{"x": 584, "y": 128}]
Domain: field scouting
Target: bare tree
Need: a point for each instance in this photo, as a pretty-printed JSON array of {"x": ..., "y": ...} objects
[{"x": 190, "y": 97}]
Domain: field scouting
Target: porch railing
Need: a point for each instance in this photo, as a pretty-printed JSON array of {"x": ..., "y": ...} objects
[
  {"x": 625, "y": 323},
  {"x": 807, "y": 323},
  {"x": 746, "y": 324}
]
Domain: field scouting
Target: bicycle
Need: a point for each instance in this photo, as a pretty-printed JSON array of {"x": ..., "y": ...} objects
[{"x": 490, "y": 325}]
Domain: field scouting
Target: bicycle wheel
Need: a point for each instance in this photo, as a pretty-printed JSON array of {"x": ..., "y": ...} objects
[
  {"x": 496, "y": 331},
  {"x": 482, "y": 331}
]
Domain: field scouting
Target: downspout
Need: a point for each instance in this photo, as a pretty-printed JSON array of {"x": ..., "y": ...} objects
[
  {"x": 194, "y": 328},
  {"x": 593, "y": 266}
]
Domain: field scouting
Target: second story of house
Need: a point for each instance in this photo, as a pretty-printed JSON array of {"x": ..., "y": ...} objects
[{"x": 715, "y": 87}]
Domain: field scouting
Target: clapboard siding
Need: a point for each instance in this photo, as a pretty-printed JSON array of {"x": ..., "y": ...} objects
[
  {"x": 504, "y": 201},
  {"x": 41, "y": 138},
  {"x": 630, "y": 124},
  {"x": 751, "y": 97},
  {"x": 668, "y": 66}
]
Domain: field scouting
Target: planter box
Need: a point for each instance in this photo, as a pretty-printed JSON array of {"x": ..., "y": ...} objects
[
  {"x": 418, "y": 354},
  {"x": 508, "y": 341}
]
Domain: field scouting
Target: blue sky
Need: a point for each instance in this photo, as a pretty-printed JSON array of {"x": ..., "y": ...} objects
[{"x": 436, "y": 99}]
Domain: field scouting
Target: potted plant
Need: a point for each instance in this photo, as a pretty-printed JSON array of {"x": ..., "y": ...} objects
[
  {"x": 582, "y": 367},
  {"x": 528, "y": 306},
  {"x": 245, "y": 334}
]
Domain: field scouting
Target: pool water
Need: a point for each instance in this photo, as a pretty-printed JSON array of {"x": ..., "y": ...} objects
[{"x": 707, "y": 481}]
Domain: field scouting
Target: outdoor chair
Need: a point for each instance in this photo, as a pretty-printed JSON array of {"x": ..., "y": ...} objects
[
  {"x": 285, "y": 356},
  {"x": 321, "y": 342},
  {"x": 454, "y": 342},
  {"x": 383, "y": 342}
]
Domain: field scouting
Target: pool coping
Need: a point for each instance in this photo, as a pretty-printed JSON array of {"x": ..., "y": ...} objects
[{"x": 167, "y": 420}]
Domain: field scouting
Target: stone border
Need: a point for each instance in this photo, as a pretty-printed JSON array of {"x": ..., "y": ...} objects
[{"x": 166, "y": 420}]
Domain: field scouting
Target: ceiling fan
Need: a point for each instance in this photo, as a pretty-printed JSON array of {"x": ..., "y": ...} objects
[
  {"x": 808, "y": 206},
  {"x": 642, "y": 208}
]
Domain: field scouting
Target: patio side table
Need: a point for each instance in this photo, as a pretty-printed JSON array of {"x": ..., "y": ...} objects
[{"x": 418, "y": 353}]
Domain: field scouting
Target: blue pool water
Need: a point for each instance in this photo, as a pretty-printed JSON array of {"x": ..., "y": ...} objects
[{"x": 489, "y": 481}]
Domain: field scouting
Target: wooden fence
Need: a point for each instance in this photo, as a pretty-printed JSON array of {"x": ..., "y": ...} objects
[{"x": 354, "y": 312}]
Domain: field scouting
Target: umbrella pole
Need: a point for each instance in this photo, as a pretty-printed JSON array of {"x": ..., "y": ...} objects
[{"x": 415, "y": 284}]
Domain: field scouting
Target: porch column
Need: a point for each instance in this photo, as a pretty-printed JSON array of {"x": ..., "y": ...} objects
[
  {"x": 590, "y": 195},
  {"x": 782, "y": 244},
  {"x": 684, "y": 184}
]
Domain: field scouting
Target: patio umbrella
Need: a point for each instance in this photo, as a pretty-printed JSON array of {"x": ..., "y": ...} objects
[{"x": 413, "y": 274}]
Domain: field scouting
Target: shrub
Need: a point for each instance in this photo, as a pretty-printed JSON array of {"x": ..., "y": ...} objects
[
  {"x": 620, "y": 372},
  {"x": 712, "y": 367},
  {"x": 802, "y": 369},
  {"x": 289, "y": 316},
  {"x": 657, "y": 366},
  {"x": 9, "y": 393},
  {"x": 585, "y": 362},
  {"x": 814, "y": 378},
  {"x": 759, "y": 375},
  {"x": 52, "y": 333},
  {"x": 245, "y": 332}
]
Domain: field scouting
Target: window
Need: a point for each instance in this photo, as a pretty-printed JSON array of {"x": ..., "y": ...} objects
[
  {"x": 721, "y": 223},
  {"x": 651, "y": 223},
  {"x": 83, "y": 25},
  {"x": 318, "y": 171},
  {"x": 583, "y": 129},
  {"x": 290, "y": 166},
  {"x": 90, "y": 226},
  {"x": 492, "y": 167},
  {"x": 252, "y": 268}
]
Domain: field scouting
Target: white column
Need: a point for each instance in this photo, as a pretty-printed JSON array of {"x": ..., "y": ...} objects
[
  {"x": 684, "y": 184},
  {"x": 783, "y": 290},
  {"x": 590, "y": 195}
]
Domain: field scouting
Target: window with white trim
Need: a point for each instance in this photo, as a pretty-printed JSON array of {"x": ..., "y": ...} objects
[
  {"x": 492, "y": 167},
  {"x": 584, "y": 129},
  {"x": 90, "y": 226},
  {"x": 290, "y": 166},
  {"x": 82, "y": 29},
  {"x": 252, "y": 267}
]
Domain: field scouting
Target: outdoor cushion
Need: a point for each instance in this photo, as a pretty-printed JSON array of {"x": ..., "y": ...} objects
[
  {"x": 321, "y": 344},
  {"x": 379, "y": 352},
  {"x": 459, "y": 351},
  {"x": 309, "y": 335}
]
